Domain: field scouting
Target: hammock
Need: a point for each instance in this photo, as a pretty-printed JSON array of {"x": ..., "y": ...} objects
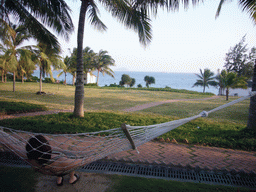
[{"x": 71, "y": 151}]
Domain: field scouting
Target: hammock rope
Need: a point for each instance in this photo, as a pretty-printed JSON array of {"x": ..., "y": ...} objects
[{"x": 71, "y": 151}]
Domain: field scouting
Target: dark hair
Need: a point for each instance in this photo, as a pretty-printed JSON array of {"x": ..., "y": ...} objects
[{"x": 38, "y": 148}]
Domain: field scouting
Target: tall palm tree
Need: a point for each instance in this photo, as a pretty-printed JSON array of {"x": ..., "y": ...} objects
[
  {"x": 206, "y": 78},
  {"x": 133, "y": 14},
  {"x": 103, "y": 61},
  {"x": 250, "y": 7},
  {"x": 12, "y": 37},
  {"x": 34, "y": 14}
]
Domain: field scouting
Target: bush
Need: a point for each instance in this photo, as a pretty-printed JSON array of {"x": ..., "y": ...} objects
[
  {"x": 114, "y": 85},
  {"x": 48, "y": 80},
  {"x": 19, "y": 107},
  {"x": 139, "y": 86},
  {"x": 91, "y": 85}
]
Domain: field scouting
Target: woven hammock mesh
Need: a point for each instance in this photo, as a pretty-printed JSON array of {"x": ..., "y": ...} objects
[{"x": 71, "y": 151}]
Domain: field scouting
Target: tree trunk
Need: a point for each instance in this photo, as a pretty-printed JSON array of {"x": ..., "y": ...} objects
[
  {"x": 22, "y": 77},
  {"x": 204, "y": 89},
  {"x": 2, "y": 76},
  {"x": 227, "y": 92},
  {"x": 79, "y": 91},
  {"x": 65, "y": 82},
  {"x": 251, "y": 124},
  {"x": 98, "y": 77},
  {"x": 40, "y": 81},
  {"x": 14, "y": 81}
]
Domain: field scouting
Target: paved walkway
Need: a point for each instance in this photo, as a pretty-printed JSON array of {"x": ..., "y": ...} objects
[{"x": 172, "y": 154}]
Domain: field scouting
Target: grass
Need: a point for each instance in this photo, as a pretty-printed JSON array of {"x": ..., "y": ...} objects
[
  {"x": 134, "y": 184},
  {"x": 62, "y": 97},
  {"x": 237, "y": 113},
  {"x": 24, "y": 180},
  {"x": 17, "y": 179},
  {"x": 19, "y": 107}
]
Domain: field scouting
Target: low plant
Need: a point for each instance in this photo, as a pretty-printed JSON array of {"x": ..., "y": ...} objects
[{"x": 19, "y": 107}]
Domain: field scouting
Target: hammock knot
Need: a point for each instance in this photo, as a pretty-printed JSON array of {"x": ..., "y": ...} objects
[{"x": 204, "y": 114}]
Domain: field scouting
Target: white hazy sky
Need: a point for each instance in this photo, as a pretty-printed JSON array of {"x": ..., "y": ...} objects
[{"x": 183, "y": 41}]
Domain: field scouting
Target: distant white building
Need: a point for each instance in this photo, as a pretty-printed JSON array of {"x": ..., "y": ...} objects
[{"x": 90, "y": 78}]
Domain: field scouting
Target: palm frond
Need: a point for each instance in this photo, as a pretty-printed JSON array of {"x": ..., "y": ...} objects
[{"x": 93, "y": 16}]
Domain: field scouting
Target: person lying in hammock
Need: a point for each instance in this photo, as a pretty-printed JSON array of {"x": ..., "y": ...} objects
[{"x": 38, "y": 153}]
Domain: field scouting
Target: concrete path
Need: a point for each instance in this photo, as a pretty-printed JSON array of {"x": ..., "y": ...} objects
[{"x": 153, "y": 104}]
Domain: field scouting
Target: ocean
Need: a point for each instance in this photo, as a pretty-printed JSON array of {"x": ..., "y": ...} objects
[{"x": 172, "y": 80}]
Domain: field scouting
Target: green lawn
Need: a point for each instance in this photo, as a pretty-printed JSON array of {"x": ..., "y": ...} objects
[{"x": 62, "y": 97}]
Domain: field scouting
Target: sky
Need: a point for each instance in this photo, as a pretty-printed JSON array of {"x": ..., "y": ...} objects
[{"x": 184, "y": 41}]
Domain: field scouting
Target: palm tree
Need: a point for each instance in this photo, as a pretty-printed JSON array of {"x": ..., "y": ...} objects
[
  {"x": 250, "y": 7},
  {"x": 46, "y": 58},
  {"x": 34, "y": 14},
  {"x": 65, "y": 69},
  {"x": 102, "y": 63},
  {"x": 205, "y": 79},
  {"x": 231, "y": 80},
  {"x": 133, "y": 14},
  {"x": 25, "y": 66},
  {"x": 12, "y": 37}
]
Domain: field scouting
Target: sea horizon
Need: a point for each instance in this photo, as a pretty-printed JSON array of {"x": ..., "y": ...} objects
[{"x": 173, "y": 80}]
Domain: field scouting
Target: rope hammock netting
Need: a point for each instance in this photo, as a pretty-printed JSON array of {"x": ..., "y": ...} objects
[{"x": 59, "y": 154}]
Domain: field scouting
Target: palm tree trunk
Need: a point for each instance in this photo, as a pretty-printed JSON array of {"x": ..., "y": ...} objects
[
  {"x": 2, "y": 76},
  {"x": 251, "y": 124},
  {"x": 13, "y": 81},
  {"x": 79, "y": 92},
  {"x": 65, "y": 82},
  {"x": 98, "y": 77},
  {"x": 22, "y": 77},
  {"x": 227, "y": 92},
  {"x": 40, "y": 81}
]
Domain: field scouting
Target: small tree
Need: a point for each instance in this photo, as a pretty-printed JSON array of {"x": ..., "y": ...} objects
[
  {"x": 231, "y": 80},
  {"x": 206, "y": 78},
  {"x": 132, "y": 82},
  {"x": 125, "y": 79},
  {"x": 237, "y": 59},
  {"x": 149, "y": 80}
]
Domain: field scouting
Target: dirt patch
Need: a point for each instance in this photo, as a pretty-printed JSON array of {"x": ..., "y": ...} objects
[{"x": 88, "y": 182}]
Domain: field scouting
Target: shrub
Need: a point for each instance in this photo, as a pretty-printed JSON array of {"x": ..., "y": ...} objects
[
  {"x": 91, "y": 85},
  {"x": 48, "y": 80}
]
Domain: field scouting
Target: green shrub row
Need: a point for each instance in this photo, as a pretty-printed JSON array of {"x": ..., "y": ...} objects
[
  {"x": 200, "y": 131},
  {"x": 19, "y": 107}
]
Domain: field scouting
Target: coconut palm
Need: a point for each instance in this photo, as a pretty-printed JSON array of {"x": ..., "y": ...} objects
[
  {"x": 133, "y": 14},
  {"x": 206, "y": 78},
  {"x": 250, "y": 7},
  {"x": 231, "y": 80},
  {"x": 46, "y": 59},
  {"x": 102, "y": 63},
  {"x": 65, "y": 69},
  {"x": 34, "y": 14},
  {"x": 12, "y": 37}
]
